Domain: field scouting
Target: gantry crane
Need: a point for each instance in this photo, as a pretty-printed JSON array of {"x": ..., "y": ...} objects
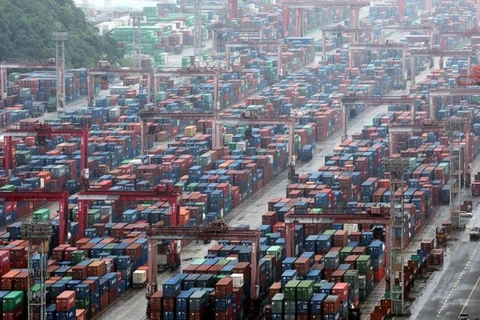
[
  {"x": 42, "y": 130},
  {"x": 259, "y": 119},
  {"x": 21, "y": 64},
  {"x": 299, "y": 6},
  {"x": 220, "y": 27},
  {"x": 354, "y": 99},
  {"x": 167, "y": 193},
  {"x": 341, "y": 30},
  {"x": 108, "y": 70},
  {"x": 404, "y": 100},
  {"x": 415, "y": 128},
  {"x": 216, "y": 231},
  {"x": 474, "y": 32},
  {"x": 145, "y": 115},
  {"x": 422, "y": 29},
  {"x": 245, "y": 43},
  {"x": 438, "y": 53},
  {"x": 192, "y": 71},
  {"x": 44, "y": 196},
  {"x": 330, "y": 216},
  {"x": 385, "y": 46},
  {"x": 454, "y": 92}
]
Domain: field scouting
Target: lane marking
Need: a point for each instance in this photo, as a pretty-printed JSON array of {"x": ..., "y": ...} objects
[
  {"x": 456, "y": 283},
  {"x": 471, "y": 293}
]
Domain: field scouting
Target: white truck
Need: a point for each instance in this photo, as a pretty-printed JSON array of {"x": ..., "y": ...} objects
[{"x": 139, "y": 278}]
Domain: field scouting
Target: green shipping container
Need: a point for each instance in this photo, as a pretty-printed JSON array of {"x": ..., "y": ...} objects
[
  {"x": 329, "y": 233},
  {"x": 345, "y": 252},
  {"x": 41, "y": 215},
  {"x": 363, "y": 263},
  {"x": 78, "y": 256},
  {"x": 8, "y": 187},
  {"x": 12, "y": 301},
  {"x": 94, "y": 216},
  {"x": 352, "y": 278},
  {"x": 275, "y": 251},
  {"x": 199, "y": 261},
  {"x": 109, "y": 247},
  {"x": 82, "y": 303},
  {"x": 291, "y": 289},
  {"x": 305, "y": 290}
]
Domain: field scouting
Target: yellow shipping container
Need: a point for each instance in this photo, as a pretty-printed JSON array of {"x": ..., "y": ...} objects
[{"x": 190, "y": 131}]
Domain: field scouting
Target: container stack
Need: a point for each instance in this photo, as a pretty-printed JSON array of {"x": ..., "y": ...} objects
[{"x": 224, "y": 299}]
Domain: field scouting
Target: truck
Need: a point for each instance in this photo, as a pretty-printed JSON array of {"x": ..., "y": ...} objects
[
  {"x": 474, "y": 233},
  {"x": 168, "y": 255},
  {"x": 441, "y": 235},
  {"x": 306, "y": 153},
  {"x": 139, "y": 278}
]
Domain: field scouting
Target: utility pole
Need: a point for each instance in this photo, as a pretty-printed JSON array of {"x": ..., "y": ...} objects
[
  {"x": 454, "y": 126},
  {"x": 85, "y": 6},
  {"x": 197, "y": 36},
  {"x": 60, "y": 38},
  {"x": 137, "y": 17},
  {"x": 108, "y": 8},
  {"x": 37, "y": 234},
  {"x": 398, "y": 224}
]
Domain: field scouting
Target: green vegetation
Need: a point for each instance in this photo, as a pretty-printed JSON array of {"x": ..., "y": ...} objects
[{"x": 26, "y": 28}]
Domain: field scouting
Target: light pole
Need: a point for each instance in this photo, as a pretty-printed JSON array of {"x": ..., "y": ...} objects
[
  {"x": 37, "y": 234},
  {"x": 453, "y": 126},
  {"x": 396, "y": 166}
]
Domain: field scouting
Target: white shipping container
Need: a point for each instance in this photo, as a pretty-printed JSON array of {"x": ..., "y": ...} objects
[
  {"x": 237, "y": 280},
  {"x": 350, "y": 227},
  {"x": 242, "y": 145},
  {"x": 162, "y": 259},
  {"x": 114, "y": 113},
  {"x": 139, "y": 276},
  {"x": 227, "y": 138},
  {"x": 106, "y": 210}
]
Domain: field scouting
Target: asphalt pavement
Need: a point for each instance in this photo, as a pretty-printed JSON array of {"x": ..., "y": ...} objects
[{"x": 454, "y": 288}]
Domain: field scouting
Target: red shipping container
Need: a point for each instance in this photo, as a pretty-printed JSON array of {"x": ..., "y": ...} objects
[
  {"x": 337, "y": 275},
  {"x": 302, "y": 265},
  {"x": 96, "y": 269},
  {"x": 68, "y": 252},
  {"x": 225, "y": 315},
  {"x": 197, "y": 315},
  {"x": 331, "y": 304},
  {"x": 80, "y": 314},
  {"x": 65, "y": 301},
  {"x": 79, "y": 273},
  {"x": 156, "y": 301},
  {"x": 341, "y": 290},
  {"x": 156, "y": 315},
  {"x": 20, "y": 282},
  {"x": 7, "y": 280},
  {"x": 134, "y": 251},
  {"x": 17, "y": 314},
  {"x": 18, "y": 253},
  {"x": 104, "y": 301},
  {"x": 224, "y": 288},
  {"x": 112, "y": 295},
  {"x": 4, "y": 262}
]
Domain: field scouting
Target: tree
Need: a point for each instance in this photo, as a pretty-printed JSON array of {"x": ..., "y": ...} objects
[{"x": 26, "y": 28}]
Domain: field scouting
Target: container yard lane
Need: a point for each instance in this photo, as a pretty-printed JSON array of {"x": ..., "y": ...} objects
[{"x": 454, "y": 289}]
